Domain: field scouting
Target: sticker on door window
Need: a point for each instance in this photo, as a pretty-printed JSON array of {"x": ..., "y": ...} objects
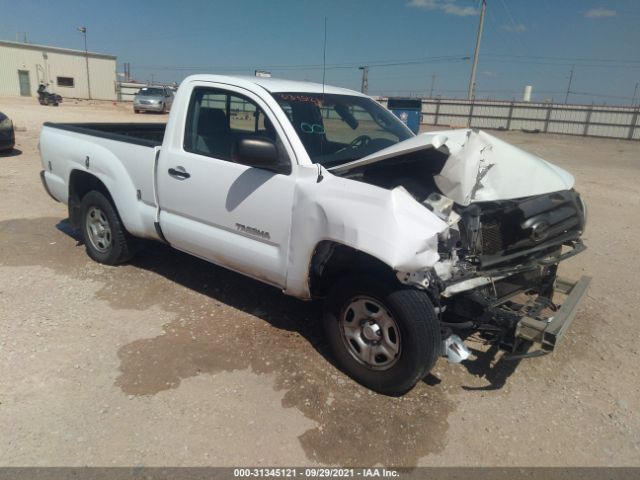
[{"x": 312, "y": 128}]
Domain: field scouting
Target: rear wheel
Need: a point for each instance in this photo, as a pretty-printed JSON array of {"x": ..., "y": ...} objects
[
  {"x": 135, "y": 110},
  {"x": 105, "y": 238},
  {"x": 385, "y": 337}
]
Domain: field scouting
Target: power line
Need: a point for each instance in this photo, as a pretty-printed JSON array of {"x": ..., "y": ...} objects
[
  {"x": 560, "y": 64},
  {"x": 513, "y": 24},
  {"x": 487, "y": 57},
  {"x": 236, "y": 68},
  {"x": 571, "y": 59},
  {"x": 506, "y": 91}
]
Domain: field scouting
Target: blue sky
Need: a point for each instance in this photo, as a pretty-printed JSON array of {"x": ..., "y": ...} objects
[{"x": 406, "y": 42}]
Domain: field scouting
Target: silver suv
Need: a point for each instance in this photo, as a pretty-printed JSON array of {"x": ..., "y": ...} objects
[{"x": 153, "y": 99}]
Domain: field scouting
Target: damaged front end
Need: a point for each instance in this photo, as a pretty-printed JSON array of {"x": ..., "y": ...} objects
[
  {"x": 497, "y": 273},
  {"x": 511, "y": 218}
]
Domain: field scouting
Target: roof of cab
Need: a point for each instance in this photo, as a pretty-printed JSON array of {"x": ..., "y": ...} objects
[{"x": 273, "y": 85}]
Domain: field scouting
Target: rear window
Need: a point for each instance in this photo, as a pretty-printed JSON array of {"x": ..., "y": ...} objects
[{"x": 151, "y": 91}]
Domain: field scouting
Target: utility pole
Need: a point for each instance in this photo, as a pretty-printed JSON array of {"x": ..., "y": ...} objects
[
  {"x": 635, "y": 91},
  {"x": 433, "y": 84},
  {"x": 365, "y": 79},
  {"x": 566, "y": 97},
  {"x": 472, "y": 80},
  {"x": 83, "y": 30}
]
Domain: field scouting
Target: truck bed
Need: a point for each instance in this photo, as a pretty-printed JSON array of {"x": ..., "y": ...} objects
[
  {"x": 120, "y": 155},
  {"x": 144, "y": 134}
]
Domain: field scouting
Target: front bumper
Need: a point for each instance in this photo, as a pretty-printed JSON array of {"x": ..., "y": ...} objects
[{"x": 548, "y": 332}]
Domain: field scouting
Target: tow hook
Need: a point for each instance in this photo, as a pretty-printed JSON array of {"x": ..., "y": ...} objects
[{"x": 454, "y": 349}]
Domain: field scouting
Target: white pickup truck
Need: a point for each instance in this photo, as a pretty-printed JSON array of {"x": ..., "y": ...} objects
[{"x": 323, "y": 193}]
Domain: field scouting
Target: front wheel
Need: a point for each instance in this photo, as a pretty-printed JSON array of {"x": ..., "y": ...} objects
[
  {"x": 384, "y": 336},
  {"x": 105, "y": 238}
]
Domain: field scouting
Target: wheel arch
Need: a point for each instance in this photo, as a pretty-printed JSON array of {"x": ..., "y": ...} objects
[
  {"x": 331, "y": 261},
  {"x": 81, "y": 183}
]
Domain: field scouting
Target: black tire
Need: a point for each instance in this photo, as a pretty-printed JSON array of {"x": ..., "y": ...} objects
[
  {"x": 112, "y": 249},
  {"x": 419, "y": 333},
  {"x": 135, "y": 110}
]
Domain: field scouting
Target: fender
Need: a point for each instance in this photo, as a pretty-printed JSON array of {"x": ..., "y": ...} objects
[{"x": 389, "y": 225}]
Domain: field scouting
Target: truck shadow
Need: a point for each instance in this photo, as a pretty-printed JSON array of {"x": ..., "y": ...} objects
[
  {"x": 225, "y": 322},
  {"x": 492, "y": 367},
  {"x": 221, "y": 321},
  {"x": 280, "y": 311},
  {"x": 286, "y": 313},
  {"x": 487, "y": 370}
]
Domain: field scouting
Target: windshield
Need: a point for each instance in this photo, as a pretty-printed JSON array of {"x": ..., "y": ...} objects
[
  {"x": 151, "y": 91},
  {"x": 337, "y": 129}
]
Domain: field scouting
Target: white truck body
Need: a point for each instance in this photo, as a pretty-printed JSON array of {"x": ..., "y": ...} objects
[
  {"x": 201, "y": 216},
  {"x": 269, "y": 225}
]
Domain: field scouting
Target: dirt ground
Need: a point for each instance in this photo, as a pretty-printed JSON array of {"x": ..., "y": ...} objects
[{"x": 172, "y": 361}]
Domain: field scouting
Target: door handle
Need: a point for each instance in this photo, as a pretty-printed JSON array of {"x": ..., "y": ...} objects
[{"x": 179, "y": 173}]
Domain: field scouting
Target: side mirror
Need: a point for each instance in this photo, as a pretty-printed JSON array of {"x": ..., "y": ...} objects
[{"x": 259, "y": 153}]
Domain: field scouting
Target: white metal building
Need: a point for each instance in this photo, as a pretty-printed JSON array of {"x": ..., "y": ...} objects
[{"x": 23, "y": 66}]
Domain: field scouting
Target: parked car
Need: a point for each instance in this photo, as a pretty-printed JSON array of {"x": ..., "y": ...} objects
[
  {"x": 7, "y": 134},
  {"x": 324, "y": 193},
  {"x": 153, "y": 99}
]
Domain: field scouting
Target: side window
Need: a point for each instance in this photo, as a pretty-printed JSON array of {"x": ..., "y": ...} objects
[{"x": 217, "y": 120}]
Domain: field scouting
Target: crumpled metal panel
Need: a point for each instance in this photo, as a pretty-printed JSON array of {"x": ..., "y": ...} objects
[
  {"x": 387, "y": 224},
  {"x": 480, "y": 167}
]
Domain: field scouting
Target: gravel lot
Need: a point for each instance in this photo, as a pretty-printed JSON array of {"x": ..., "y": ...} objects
[{"x": 172, "y": 361}]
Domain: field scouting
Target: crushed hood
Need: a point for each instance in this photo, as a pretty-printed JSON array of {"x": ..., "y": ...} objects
[{"x": 480, "y": 167}]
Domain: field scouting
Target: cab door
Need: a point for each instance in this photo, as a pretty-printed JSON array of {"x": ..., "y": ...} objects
[{"x": 231, "y": 214}]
